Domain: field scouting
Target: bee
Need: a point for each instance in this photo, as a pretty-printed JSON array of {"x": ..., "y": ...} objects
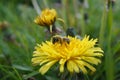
[{"x": 60, "y": 39}]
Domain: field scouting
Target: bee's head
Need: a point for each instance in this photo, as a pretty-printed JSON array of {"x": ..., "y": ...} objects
[{"x": 56, "y": 39}]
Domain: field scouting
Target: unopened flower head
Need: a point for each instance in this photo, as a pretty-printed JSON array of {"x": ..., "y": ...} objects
[
  {"x": 46, "y": 18},
  {"x": 70, "y": 52}
]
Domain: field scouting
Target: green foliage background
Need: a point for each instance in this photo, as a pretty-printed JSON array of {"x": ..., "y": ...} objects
[{"x": 15, "y": 57}]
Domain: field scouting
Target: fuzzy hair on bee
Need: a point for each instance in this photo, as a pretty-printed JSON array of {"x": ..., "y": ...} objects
[{"x": 60, "y": 39}]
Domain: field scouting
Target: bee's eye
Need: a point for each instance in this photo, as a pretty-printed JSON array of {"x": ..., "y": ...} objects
[{"x": 54, "y": 40}]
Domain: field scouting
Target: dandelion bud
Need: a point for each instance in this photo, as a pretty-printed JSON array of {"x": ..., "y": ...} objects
[{"x": 46, "y": 18}]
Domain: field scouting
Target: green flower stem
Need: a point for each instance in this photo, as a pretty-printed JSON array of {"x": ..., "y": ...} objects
[
  {"x": 76, "y": 12},
  {"x": 106, "y": 25},
  {"x": 65, "y": 14},
  {"x": 109, "y": 63},
  {"x": 45, "y": 2},
  {"x": 82, "y": 21},
  {"x": 102, "y": 28}
]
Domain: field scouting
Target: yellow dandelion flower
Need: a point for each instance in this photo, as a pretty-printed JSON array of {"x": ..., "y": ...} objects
[
  {"x": 70, "y": 52},
  {"x": 46, "y": 18}
]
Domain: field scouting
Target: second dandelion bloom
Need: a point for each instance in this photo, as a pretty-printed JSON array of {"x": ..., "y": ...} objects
[
  {"x": 47, "y": 18},
  {"x": 69, "y": 52}
]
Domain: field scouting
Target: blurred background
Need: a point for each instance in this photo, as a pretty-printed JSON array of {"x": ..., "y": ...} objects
[{"x": 19, "y": 34}]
